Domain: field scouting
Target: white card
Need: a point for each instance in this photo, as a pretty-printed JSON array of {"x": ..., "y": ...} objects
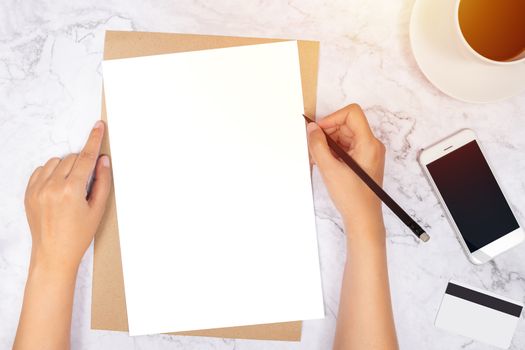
[
  {"x": 212, "y": 181},
  {"x": 478, "y": 314}
]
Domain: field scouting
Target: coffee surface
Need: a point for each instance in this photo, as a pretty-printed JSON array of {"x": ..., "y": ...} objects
[{"x": 494, "y": 28}]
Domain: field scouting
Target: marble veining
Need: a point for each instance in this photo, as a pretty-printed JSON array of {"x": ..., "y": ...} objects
[{"x": 50, "y": 86}]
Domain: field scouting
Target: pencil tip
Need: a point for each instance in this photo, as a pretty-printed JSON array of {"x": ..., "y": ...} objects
[{"x": 424, "y": 237}]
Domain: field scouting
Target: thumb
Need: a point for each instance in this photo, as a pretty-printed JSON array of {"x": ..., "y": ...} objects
[
  {"x": 319, "y": 149},
  {"x": 102, "y": 184}
]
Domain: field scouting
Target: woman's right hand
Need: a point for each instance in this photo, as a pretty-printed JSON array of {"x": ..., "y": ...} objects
[
  {"x": 358, "y": 205},
  {"x": 365, "y": 318}
]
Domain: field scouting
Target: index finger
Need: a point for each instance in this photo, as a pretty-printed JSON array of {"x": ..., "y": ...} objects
[
  {"x": 353, "y": 117},
  {"x": 87, "y": 158}
]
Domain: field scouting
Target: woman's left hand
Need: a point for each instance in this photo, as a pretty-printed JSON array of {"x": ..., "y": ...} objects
[{"x": 62, "y": 217}]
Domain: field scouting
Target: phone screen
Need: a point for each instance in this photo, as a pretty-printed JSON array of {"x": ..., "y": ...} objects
[{"x": 472, "y": 195}]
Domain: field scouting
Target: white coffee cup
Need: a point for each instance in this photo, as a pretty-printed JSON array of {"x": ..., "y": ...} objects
[{"x": 520, "y": 59}]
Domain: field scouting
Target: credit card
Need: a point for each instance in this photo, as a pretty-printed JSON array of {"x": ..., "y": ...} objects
[{"x": 478, "y": 314}]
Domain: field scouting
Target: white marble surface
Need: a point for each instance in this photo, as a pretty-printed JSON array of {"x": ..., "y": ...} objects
[{"x": 50, "y": 84}]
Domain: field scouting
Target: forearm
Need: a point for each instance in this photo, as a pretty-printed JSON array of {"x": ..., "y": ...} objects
[
  {"x": 45, "y": 320},
  {"x": 365, "y": 318}
]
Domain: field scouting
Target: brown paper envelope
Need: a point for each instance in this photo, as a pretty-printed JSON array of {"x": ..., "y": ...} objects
[{"x": 108, "y": 307}]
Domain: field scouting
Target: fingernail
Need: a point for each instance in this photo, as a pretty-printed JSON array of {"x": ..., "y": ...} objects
[
  {"x": 105, "y": 161},
  {"x": 311, "y": 127},
  {"x": 98, "y": 125}
]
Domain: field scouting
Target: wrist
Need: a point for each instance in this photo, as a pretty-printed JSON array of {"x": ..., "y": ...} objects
[
  {"x": 52, "y": 269},
  {"x": 366, "y": 229},
  {"x": 365, "y": 224}
]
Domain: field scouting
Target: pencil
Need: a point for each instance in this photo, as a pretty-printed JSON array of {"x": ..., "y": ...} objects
[{"x": 385, "y": 197}]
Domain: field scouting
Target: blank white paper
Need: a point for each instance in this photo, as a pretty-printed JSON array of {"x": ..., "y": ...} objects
[{"x": 212, "y": 182}]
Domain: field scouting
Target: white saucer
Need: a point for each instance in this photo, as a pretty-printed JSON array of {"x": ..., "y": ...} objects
[{"x": 449, "y": 65}]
